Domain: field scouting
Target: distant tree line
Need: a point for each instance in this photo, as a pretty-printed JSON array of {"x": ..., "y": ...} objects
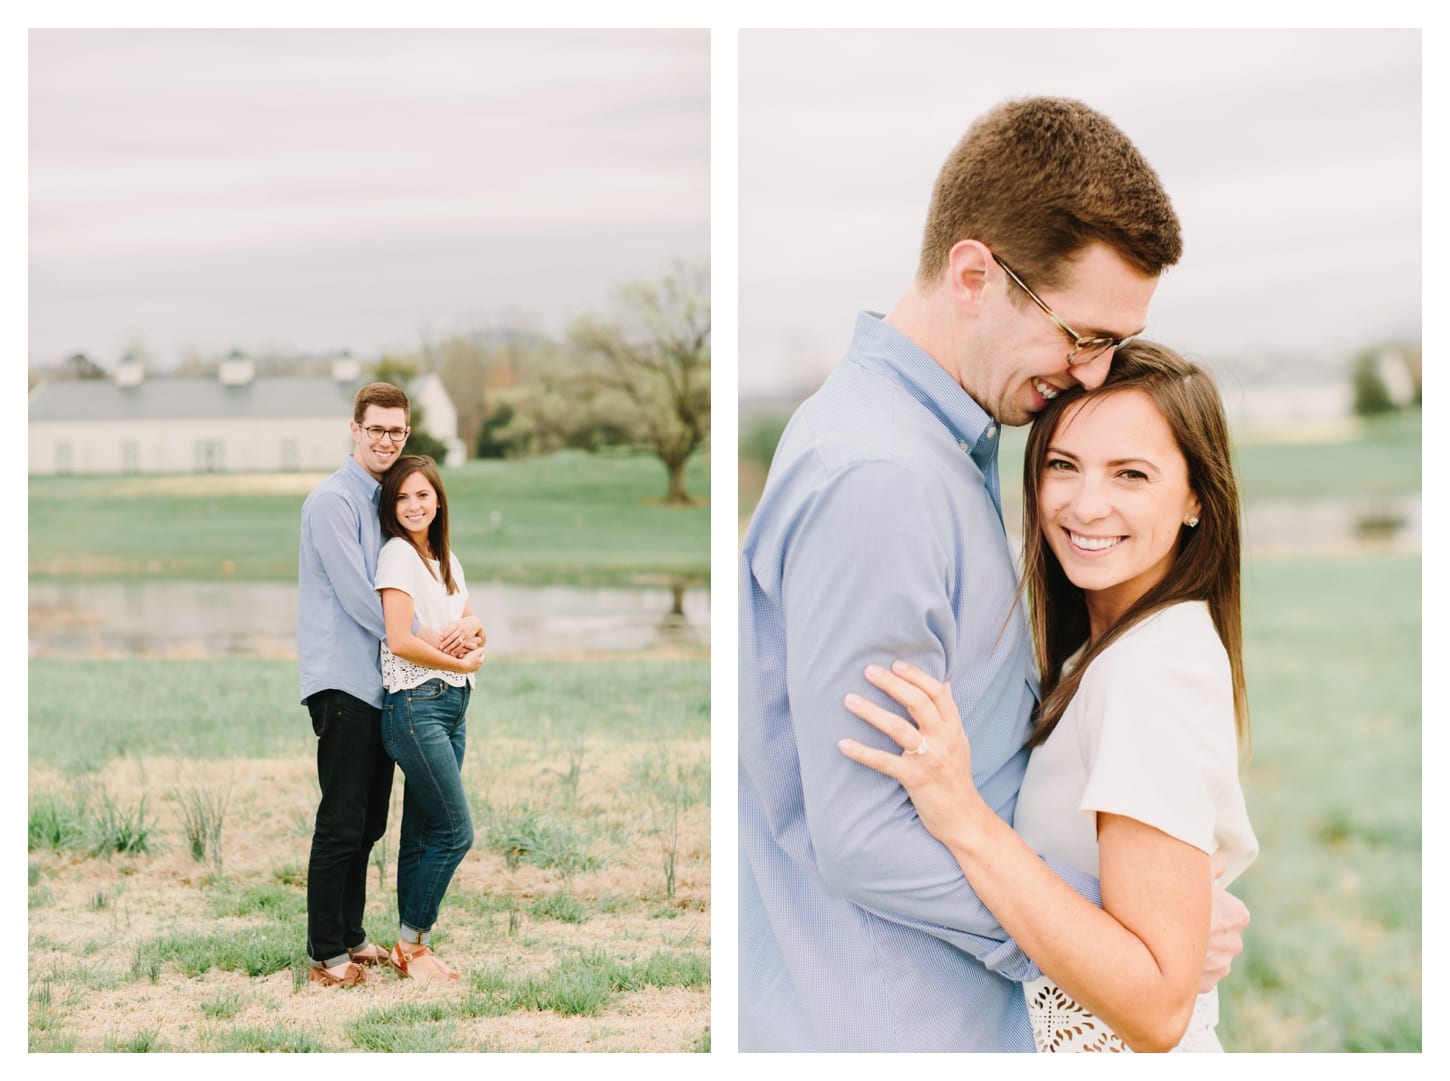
[
  {"x": 1387, "y": 380},
  {"x": 634, "y": 376}
]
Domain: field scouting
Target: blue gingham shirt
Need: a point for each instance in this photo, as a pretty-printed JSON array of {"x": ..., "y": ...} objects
[
  {"x": 879, "y": 536},
  {"x": 339, "y": 615}
]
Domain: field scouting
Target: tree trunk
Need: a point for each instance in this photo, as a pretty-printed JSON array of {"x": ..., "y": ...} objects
[{"x": 677, "y": 495}]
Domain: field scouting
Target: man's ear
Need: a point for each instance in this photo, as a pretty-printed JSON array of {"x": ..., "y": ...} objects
[{"x": 968, "y": 268}]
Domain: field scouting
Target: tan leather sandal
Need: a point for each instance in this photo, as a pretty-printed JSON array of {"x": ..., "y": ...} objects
[
  {"x": 370, "y": 954},
  {"x": 419, "y": 963},
  {"x": 348, "y": 975}
]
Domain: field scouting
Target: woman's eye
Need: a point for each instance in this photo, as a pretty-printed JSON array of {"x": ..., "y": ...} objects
[
  {"x": 1133, "y": 474},
  {"x": 1057, "y": 465}
]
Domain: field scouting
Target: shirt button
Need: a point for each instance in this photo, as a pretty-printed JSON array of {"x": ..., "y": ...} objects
[
  {"x": 991, "y": 430},
  {"x": 962, "y": 443}
]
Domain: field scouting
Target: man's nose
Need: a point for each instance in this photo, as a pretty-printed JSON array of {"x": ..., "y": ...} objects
[{"x": 1094, "y": 372}]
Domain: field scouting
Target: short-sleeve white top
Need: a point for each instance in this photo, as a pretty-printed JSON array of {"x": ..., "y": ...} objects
[
  {"x": 1149, "y": 735},
  {"x": 401, "y": 567}
]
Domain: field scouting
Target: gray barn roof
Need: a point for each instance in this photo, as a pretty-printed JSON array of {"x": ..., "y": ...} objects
[{"x": 191, "y": 399}]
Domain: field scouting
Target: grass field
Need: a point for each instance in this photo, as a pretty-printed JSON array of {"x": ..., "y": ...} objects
[
  {"x": 171, "y": 800},
  {"x": 568, "y": 518},
  {"x": 170, "y": 807},
  {"x": 1332, "y": 960}
]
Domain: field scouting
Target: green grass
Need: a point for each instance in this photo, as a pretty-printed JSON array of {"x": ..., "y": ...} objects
[
  {"x": 1332, "y": 958},
  {"x": 228, "y": 708},
  {"x": 567, "y": 518},
  {"x": 582, "y": 982},
  {"x": 92, "y": 822},
  {"x": 278, "y": 1038},
  {"x": 257, "y": 951},
  {"x": 525, "y": 834}
]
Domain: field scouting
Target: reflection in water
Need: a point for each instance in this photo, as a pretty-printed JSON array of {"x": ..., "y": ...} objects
[{"x": 260, "y": 618}]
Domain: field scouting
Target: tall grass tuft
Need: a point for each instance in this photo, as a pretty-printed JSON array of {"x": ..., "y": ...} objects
[
  {"x": 667, "y": 790},
  {"x": 119, "y": 828},
  {"x": 524, "y": 834},
  {"x": 203, "y": 812}
]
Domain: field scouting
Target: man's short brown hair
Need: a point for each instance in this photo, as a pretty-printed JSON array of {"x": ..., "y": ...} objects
[
  {"x": 383, "y": 395},
  {"x": 1037, "y": 180}
]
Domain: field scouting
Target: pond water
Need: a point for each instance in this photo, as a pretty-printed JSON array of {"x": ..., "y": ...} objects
[{"x": 259, "y": 619}]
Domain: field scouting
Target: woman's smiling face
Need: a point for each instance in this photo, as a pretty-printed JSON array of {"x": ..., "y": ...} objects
[
  {"x": 417, "y": 506},
  {"x": 1113, "y": 497}
]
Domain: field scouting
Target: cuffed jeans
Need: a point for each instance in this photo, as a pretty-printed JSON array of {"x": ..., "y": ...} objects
[
  {"x": 424, "y": 731},
  {"x": 356, "y": 777}
]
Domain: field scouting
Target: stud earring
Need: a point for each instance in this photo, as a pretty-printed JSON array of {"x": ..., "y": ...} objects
[{"x": 1192, "y": 523}]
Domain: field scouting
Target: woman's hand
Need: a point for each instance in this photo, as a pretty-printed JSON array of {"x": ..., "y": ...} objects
[
  {"x": 471, "y": 661},
  {"x": 462, "y": 637},
  {"x": 935, "y": 766}
]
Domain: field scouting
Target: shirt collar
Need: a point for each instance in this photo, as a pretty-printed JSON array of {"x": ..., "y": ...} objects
[
  {"x": 361, "y": 479},
  {"x": 879, "y": 347}
]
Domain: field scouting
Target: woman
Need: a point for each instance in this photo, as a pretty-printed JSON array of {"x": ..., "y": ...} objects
[
  {"x": 426, "y": 696},
  {"x": 1131, "y": 560}
]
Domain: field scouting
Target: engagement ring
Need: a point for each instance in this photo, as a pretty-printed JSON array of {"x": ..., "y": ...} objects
[{"x": 920, "y": 747}]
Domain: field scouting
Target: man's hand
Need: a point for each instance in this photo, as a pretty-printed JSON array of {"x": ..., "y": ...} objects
[
  {"x": 462, "y": 638},
  {"x": 1226, "y": 929}
]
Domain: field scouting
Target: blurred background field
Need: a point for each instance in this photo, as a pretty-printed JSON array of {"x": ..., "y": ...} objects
[
  {"x": 567, "y": 518},
  {"x": 1332, "y": 620}
]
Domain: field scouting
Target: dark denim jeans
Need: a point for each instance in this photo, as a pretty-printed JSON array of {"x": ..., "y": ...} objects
[
  {"x": 356, "y": 777},
  {"x": 424, "y": 731}
]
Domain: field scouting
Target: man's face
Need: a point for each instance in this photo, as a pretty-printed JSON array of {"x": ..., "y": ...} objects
[
  {"x": 1023, "y": 361},
  {"x": 375, "y": 455}
]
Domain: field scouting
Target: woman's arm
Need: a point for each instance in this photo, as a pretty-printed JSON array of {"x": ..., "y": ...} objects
[
  {"x": 1136, "y": 962},
  {"x": 402, "y": 642}
]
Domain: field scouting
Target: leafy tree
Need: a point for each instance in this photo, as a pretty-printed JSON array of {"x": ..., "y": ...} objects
[
  {"x": 1371, "y": 396},
  {"x": 646, "y": 370},
  {"x": 80, "y": 366}
]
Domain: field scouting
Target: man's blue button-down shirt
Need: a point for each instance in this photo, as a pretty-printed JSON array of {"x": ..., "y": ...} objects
[
  {"x": 339, "y": 617},
  {"x": 879, "y": 536}
]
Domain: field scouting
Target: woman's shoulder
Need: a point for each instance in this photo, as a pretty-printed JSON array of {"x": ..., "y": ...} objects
[
  {"x": 1179, "y": 634},
  {"x": 398, "y": 552}
]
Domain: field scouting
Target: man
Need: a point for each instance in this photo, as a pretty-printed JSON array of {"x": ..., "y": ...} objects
[
  {"x": 880, "y": 536},
  {"x": 339, "y": 628}
]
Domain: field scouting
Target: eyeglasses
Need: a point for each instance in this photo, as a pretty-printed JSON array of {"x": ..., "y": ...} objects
[
  {"x": 1084, "y": 349},
  {"x": 397, "y": 435}
]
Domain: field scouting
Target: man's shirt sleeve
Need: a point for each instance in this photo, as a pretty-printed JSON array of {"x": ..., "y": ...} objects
[
  {"x": 338, "y": 541},
  {"x": 867, "y": 580}
]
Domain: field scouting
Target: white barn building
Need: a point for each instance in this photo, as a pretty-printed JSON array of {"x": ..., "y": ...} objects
[{"x": 237, "y": 422}]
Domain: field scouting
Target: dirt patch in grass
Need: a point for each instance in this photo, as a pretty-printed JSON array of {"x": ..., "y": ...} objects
[{"x": 101, "y": 977}]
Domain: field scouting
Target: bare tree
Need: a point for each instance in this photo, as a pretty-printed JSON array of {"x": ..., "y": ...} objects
[{"x": 647, "y": 369}]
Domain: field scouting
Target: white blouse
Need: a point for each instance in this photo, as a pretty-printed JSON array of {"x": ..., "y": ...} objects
[
  {"x": 1150, "y": 736},
  {"x": 401, "y": 567}
]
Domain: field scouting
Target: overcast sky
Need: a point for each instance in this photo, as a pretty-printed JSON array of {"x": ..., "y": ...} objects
[
  {"x": 1292, "y": 157},
  {"x": 320, "y": 190}
]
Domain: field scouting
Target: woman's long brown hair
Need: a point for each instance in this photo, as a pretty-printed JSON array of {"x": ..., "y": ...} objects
[
  {"x": 393, "y": 480},
  {"x": 1206, "y": 567}
]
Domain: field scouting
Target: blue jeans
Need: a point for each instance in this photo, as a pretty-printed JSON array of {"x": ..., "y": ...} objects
[
  {"x": 425, "y": 733},
  {"x": 356, "y": 778}
]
